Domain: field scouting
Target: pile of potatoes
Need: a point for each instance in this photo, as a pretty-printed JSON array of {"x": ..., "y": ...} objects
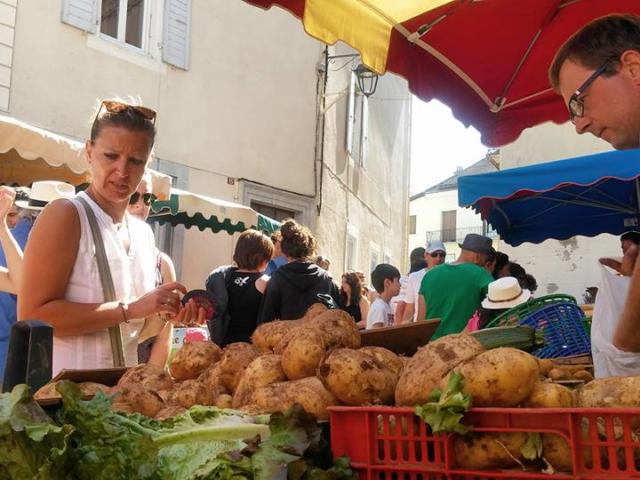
[{"x": 314, "y": 361}]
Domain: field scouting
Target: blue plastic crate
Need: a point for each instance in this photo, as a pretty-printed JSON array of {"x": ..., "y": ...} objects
[{"x": 564, "y": 332}]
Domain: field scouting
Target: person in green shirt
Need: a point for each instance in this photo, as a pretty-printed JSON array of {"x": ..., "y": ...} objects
[{"x": 452, "y": 292}]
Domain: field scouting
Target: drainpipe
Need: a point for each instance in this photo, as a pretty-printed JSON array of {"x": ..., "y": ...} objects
[{"x": 318, "y": 164}]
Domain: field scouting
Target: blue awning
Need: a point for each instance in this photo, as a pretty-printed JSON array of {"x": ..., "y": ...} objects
[{"x": 586, "y": 195}]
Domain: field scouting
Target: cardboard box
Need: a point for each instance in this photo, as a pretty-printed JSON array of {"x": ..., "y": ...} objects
[{"x": 105, "y": 376}]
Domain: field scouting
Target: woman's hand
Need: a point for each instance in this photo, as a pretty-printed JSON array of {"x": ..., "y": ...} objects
[
  {"x": 7, "y": 197},
  {"x": 165, "y": 298},
  {"x": 190, "y": 315}
]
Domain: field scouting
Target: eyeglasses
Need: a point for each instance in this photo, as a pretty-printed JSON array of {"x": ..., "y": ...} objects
[
  {"x": 115, "y": 107},
  {"x": 147, "y": 198},
  {"x": 438, "y": 254},
  {"x": 576, "y": 104}
]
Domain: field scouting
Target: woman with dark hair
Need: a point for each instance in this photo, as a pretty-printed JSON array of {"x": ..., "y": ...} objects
[
  {"x": 294, "y": 287},
  {"x": 97, "y": 307},
  {"x": 239, "y": 289},
  {"x": 352, "y": 300}
]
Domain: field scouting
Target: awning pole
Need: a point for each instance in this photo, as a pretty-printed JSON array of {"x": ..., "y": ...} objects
[{"x": 638, "y": 200}]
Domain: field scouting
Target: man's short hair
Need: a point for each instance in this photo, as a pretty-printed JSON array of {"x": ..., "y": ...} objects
[
  {"x": 631, "y": 236},
  {"x": 600, "y": 40},
  {"x": 381, "y": 273}
]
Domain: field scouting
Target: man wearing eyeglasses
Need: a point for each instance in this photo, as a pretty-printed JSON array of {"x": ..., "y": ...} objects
[
  {"x": 434, "y": 255},
  {"x": 597, "y": 73}
]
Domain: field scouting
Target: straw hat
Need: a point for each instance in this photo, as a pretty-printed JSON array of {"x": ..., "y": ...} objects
[
  {"x": 44, "y": 192},
  {"x": 505, "y": 292}
]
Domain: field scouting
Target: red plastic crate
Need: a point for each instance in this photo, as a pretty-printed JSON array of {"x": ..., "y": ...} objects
[{"x": 388, "y": 443}]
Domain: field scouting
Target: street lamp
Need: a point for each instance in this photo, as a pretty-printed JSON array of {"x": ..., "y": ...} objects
[{"x": 367, "y": 80}]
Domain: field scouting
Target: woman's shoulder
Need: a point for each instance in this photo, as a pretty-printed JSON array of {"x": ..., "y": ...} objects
[{"x": 61, "y": 213}]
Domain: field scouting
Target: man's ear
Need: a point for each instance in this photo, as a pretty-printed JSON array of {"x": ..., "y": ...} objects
[{"x": 630, "y": 64}]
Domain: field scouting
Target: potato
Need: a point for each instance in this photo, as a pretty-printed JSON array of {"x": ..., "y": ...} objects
[
  {"x": 147, "y": 376},
  {"x": 279, "y": 397},
  {"x": 236, "y": 357},
  {"x": 583, "y": 375},
  {"x": 545, "y": 365},
  {"x": 502, "y": 377},
  {"x": 303, "y": 353},
  {"x": 268, "y": 335},
  {"x": 135, "y": 398},
  {"x": 488, "y": 451},
  {"x": 340, "y": 328},
  {"x": 192, "y": 392},
  {"x": 87, "y": 389},
  {"x": 314, "y": 310},
  {"x": 425, "y": 369},
  {"x": 224, "y": 401},
  {"x": 170, "y": 411},
  {"x": 212, "y": 377},
  {"x": 610, "y": 392},
  {"x": 557, "y": 452},
  {"x": 357, "y": 378},
  {"x": 193, "y": 358},
  {"x": 549, "y": 395},
  {"x": 393, "y": 362},
  {"x": 558, "y": 373},
  {"x": 261, "y": 371}
]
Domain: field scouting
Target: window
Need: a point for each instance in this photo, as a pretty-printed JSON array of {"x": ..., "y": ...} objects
[
  {"x": 449, "y": 226},
  {"x": 412, "y": 224},
  {"x": 374, "y": 260},
  {"x": 273, "y": 212},
  {"x": 351, "y": 250},
  {"x": 124, "y": 20},
  {"x": 357, "y": 123}
]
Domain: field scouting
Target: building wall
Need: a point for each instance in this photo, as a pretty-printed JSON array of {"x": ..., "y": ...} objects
[
  {"x": 428, "y": 211},
  {"x": 568, "y": 266},
  {"x": 370, "y": 201},
  {"x": 243, "y": 115}
]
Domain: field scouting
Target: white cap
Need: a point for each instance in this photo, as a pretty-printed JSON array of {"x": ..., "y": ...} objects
[{"x": 436, "y": 246}]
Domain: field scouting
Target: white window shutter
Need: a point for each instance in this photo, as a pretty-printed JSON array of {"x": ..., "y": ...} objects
[
  {"x": 177, "y": 33},
  {"x": 82, "y": 14}
]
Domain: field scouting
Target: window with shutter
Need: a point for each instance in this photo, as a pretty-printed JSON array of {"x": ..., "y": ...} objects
[
  {"x": 449, "y": 226},
  {"x": 81, "y": 14},
  {"x": 176, "y": 34}
]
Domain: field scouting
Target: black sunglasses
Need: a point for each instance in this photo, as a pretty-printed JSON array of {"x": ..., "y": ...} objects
[
  {"x": 438, "y": 254},
  {"x": 576, "y": 104},
  {"x": 147, "y": 198}
]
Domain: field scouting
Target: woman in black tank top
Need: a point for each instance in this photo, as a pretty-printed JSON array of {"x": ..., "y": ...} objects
[{"x": 352, "y": 300}]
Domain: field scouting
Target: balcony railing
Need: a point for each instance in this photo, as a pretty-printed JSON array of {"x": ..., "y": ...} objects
[{"x": 458, "y": 234}]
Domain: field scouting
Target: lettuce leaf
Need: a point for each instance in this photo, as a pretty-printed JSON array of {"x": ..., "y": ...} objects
[
  {"x": 444, "y": 410},
  {"x": 32, "y": 446}
]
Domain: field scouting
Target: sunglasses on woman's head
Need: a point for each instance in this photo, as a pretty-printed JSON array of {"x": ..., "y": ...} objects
[
  {"x": 438, "y": 254},
  {"x": 147, "y": 198},
  {"x": 115, "y": 107}
]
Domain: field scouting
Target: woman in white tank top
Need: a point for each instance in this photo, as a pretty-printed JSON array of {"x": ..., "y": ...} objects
[{"x": 61, "y": 281}]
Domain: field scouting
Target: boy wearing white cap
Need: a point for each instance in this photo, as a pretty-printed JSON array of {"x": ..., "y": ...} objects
[{"x": 434, "y": 254}]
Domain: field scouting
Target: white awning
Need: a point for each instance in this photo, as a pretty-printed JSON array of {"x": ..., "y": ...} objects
[{"x": 29, "y": 153}]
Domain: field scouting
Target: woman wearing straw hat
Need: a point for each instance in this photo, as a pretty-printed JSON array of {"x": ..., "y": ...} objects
[
  {"x": 503, "y": 294},
  {"x": 89, "y": 266}
]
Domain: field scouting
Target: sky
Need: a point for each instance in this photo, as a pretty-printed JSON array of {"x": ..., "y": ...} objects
[{"x": 439, "y": 144}]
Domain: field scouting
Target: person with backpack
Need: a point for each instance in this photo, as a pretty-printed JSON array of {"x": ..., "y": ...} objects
[{"x": 238, "y": 289}]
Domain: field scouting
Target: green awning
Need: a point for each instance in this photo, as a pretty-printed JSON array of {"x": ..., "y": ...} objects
[{"x": 191, "y": 209}]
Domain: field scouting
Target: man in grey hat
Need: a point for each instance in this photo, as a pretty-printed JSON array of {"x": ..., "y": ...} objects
[
  {"x": 452, "y": 292},
  {"x": 434, "y": 255}
]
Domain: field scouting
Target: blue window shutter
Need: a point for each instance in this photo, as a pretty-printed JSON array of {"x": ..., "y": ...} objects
[
  {"x": 177, "y": 33},
  {"x": 82, "y": 14}
]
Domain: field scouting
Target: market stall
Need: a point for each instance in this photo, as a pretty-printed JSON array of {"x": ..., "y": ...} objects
[{"x": 586, "y": 195}]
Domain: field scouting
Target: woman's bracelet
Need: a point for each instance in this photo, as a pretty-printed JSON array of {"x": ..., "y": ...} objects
[{"x": 124, "y": 308}]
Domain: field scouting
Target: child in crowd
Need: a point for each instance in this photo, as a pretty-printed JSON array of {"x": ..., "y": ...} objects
[{"x": 386, "y": 280}]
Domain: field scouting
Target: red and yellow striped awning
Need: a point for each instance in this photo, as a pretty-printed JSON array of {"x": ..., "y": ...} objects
[{"x": 486, "y": 59}]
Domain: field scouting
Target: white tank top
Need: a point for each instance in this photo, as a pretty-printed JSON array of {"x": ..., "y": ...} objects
[{"x": 133, "y": 274}]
